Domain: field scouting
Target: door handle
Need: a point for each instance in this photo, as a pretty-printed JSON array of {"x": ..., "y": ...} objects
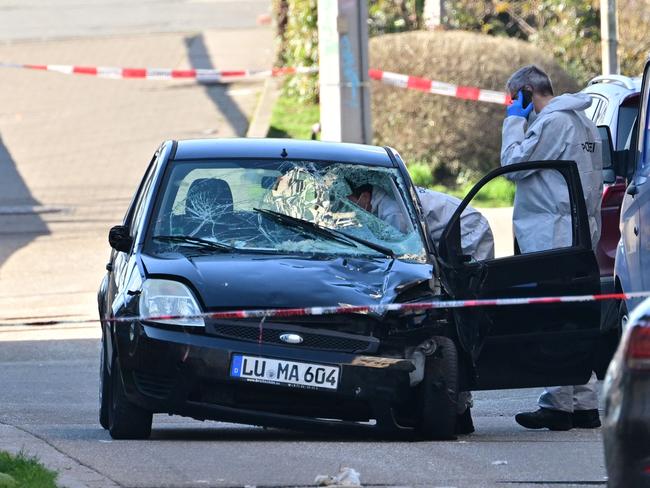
[
  {"x": 636, "y": 230},
  {"x": 632, "y": 189}
]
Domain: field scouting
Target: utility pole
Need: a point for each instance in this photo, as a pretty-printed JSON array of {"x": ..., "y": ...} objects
[
  {"x": 343, "y": 71},
  {"x": 609, "y": 36}
]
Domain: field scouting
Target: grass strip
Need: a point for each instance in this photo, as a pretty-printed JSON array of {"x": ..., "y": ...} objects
[
  {"x": 26, "y": 472},
  {"x": 293, "y": 119}
]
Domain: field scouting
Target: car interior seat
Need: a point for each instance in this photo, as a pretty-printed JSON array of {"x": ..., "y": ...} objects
[{"x": 208, "y": 207}]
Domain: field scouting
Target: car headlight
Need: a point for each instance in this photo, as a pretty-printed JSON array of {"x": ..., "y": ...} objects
[{"x": 166, "y": 297}]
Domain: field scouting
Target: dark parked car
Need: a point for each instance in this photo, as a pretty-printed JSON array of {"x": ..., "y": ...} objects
[
  {"x": 222, "y": 225},
  {"x": 626, "y": 427}
]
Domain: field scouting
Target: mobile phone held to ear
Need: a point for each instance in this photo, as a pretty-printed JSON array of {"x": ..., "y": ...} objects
[{"x": 528, "y": 97}]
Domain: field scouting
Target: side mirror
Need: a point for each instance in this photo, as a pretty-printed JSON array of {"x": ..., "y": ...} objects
[
  {"x": 615, "y": 163},
  {"x": 624, "y": 163},
  {"x": 609, "y": 170},
  {"x": 120, "y": 239}
]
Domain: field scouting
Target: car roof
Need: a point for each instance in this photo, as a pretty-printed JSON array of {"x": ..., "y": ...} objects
[
  {"x": 613, "y": 86},
  {"x": 292, "y": 149}
]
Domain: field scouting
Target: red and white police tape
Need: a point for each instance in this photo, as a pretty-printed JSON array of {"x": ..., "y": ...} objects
[
  {"x": 439, "y": 88},
  {"x": 161, "y": 74},
  {"x": 358, "y": 309},
  {"x": 218, "y": 76}
]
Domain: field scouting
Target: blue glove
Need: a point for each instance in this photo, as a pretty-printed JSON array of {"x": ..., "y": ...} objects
[{"x": 517, "y": 109}]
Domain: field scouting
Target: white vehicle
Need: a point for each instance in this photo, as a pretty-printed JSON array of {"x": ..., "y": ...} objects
[{"x": 615, "y": 104}]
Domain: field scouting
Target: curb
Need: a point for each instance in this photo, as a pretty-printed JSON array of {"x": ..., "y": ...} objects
[
  {"x": 71, "y": 473},
  {"x": 261, "y": 119}
]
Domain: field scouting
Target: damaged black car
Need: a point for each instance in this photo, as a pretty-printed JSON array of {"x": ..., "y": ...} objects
[{"x": 223, "y": 225}]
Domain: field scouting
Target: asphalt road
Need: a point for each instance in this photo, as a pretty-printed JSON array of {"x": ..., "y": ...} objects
[
  {"x": 72, "y": 150},
  {"x": 49, "y": 389},
  {"x": 48, "y": 19}
]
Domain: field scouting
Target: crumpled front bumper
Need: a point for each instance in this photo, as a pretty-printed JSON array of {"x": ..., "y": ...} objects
[{"x": 176, "y": 372}]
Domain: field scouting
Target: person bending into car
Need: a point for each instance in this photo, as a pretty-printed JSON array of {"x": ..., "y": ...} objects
[
  {"x": 477, "y": 241},
  {"x": 540, "y": 126},
  {"x": 378, "y": 202}
]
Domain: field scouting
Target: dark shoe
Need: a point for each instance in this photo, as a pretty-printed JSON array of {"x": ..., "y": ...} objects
[
  {"x": 586, "y": 419},
  {"x": 464, "y": 424},
  {"x": 545, "y": 418}
]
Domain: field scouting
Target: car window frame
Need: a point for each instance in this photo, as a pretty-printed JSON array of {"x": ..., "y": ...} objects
[
  {"x": 450, "y": 249},
  {"x": 643, "y": 129},
  {"x": 599, "y": 100},
  {"x": 128, "y": 216}
]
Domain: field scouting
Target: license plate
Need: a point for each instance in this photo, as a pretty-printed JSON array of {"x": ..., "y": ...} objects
[{"x": 281, "y": 372}]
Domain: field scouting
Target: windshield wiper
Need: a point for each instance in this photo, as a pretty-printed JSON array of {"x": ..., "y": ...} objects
[
  {"x": 372, "y": 245},
  {"x": 196, "y": 241},
  {"x": 333, "y": 234}
]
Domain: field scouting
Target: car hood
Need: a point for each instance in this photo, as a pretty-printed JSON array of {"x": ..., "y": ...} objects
[{"x": 232, "y": 281}]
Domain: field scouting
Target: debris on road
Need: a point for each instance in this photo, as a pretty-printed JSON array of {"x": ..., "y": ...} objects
[{"x": 345, "y": 477}]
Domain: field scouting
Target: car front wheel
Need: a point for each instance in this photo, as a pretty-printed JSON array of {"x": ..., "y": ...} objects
[
  {"x": 126, "y": 420},
  {"x": 438, "y": 392}
]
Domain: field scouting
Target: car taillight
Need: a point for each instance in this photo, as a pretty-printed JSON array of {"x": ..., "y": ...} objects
[{"x": 638, "y": 348}]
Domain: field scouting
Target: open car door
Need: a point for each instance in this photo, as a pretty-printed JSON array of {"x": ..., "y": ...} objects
[{"x": 528, "y": 345}]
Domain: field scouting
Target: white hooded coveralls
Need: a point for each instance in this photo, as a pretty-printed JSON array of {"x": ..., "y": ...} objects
[
  {"x": 542, "y": 218},
  {"x": 476, "y": 239},
  {"x": 561, "y": 131}
]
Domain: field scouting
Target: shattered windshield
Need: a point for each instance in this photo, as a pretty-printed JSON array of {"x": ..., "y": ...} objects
[{"x": 284, "y": 207}]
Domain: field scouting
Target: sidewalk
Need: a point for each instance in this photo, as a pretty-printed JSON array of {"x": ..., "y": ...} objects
[
  {"x": 71, "y": 473},
  {"x": 73, "y": 149}
]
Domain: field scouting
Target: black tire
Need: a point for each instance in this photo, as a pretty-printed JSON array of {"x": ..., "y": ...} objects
[
  {"x": 104, "y": 387},
  {"x": 126, "y": 420},
  {"x": 438, "y": 393}
]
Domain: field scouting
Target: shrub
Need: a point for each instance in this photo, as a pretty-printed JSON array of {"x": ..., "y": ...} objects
[
  {"x": 297, "y": 35},
  {"x": 568, "y": 29},
  {"x": 421, "y": 174},
  {"x": 460, "y": 140},
  {"x": 634, "y": 43},
  {"x": 298, "y": 44},
  {"x": 386, "y": 16}
]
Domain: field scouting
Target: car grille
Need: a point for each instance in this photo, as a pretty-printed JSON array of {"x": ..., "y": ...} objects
[
  {"x": 153, "y": 385},
  {"x": 312, "y": 339}
]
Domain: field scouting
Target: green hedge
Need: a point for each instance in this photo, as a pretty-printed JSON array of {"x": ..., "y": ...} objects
[{"x": 459, "y": 140}]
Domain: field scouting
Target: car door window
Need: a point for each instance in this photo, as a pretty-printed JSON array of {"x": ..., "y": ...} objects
[
  {"x": 541, "y": 220},
  {"x": 593, "y": 111}
]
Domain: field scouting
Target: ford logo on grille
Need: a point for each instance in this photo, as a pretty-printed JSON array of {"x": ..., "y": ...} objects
[{"x": 291, "y": 338}]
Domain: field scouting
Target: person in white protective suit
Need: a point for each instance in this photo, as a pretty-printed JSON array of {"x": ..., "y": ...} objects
[
  {"x": 557, "y": 130},
  {"x": 477, "y": 241},
  {"x": 377, "y": 201},
  {"x": 476, "y": 237}
]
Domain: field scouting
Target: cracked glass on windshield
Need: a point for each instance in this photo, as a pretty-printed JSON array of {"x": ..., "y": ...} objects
[{"x": 284, "y": 206}]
